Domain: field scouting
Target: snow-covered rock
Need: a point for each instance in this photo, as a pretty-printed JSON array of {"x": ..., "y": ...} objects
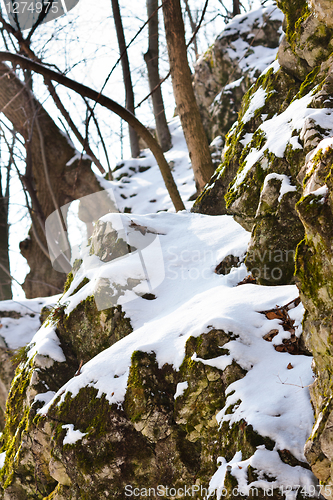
[{"x": 246, "y": 47}]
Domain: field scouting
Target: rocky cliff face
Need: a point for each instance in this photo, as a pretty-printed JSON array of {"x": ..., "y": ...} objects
[
  {"x": 168, "y": 392},
  {"x": 275, "y": 178}
]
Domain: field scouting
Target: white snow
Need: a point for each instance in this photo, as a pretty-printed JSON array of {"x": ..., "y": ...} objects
[
  {"x": 180, "y": 389},
  {"x": 251, "y": 57},
  {"x": 279, "y": 131},
  {"x": 72, "y": 436},
  {"x": 246, "y": 139},
  {"x": 46, "y": 343},
  {"x": 44, "y": 397},
  {"x": 322, "y": 191},
  {"x": 78, "y": 156},
  {"x": 257, "y": 101},
  {"x": 234, "y": 84},
  {"x": 2, "y": 459},
  {"x": 19, "y": 332},
  {"x": 144, "y": 192},
  {"x": 288, "y": 479},
  {"x": 285, "y": 187}
]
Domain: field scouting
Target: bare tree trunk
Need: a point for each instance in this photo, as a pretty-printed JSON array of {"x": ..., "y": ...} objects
[
  {"x": 5, "y": 280},
  {"x": 235, "y": 8},
  {"x": 68, "y": 182},
  {"x": 151, "y": 59},
  {"x": 134, "y": 140},
  {"x": 187, "y": 107}
]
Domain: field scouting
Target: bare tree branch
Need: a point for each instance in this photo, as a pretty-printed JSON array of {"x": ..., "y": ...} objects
[
  {"x": 85, "y": 91},
  {"x": 25, "y": 47}
]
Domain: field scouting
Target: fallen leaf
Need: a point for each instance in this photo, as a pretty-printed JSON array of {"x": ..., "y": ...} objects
[
  {"x": 277, "y": 314},
  {"x": 270, "y": 335},
  {"x": 290, "y": 366},
  {"x": 280, "y": 348}
]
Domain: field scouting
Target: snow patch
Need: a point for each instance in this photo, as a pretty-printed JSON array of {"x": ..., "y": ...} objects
[
  {"x": 72, "y": 436},
  {"x": 285, "y": 187},
  {"x": 257, "y": 101},
  {"x": 180, "y": 389}
]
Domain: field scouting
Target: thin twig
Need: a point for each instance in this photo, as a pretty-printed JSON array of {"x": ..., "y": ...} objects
[
  {"x": 84, "y": 142},
  {"x": 294, "y": 385},
  {"x": 5, "y": 270}
]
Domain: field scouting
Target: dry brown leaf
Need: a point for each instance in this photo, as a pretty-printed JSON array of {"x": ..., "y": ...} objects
[
  {"x": 290, "y": 366},
  {"x": 270, "y": 335},
  {"x": 280, "y": 348}
]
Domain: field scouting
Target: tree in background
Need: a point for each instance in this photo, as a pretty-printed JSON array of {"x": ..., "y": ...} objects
[
  {"x": 193, "y": 25},
  {"x": 236, "y": 8},
  {"x": 48, "y": 179},
  {"x": 152, "y": 59},
  {"x": 187, "y": 107},
  {"x": 5, "y": 278},
  {"x": 129, "y": 94}
]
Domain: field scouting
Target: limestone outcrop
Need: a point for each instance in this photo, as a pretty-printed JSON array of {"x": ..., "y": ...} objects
[
  {"x": 275, "y": 179},
  {"x": 183, "y": 374},
  {"x": 109, "y": 403}
]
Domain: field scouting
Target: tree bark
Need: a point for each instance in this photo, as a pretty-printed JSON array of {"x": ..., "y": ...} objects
[
  {"x": 68, "y": 182},
  {"x": 235, "y": 8},
  {"x": 129, "y": 94},
  {"x": 151, "y": 59},
  {"x": 187, "y": 107}
]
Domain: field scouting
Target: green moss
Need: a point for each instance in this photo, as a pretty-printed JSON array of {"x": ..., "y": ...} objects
[
  {"x": 70, "y": 278},
  {"x": 17, "y": 420},
  {"x": 144, "y": 378},
  {"x": 308, "y": 84},
  {"x": 21, "y": 354},
  {"x": 86, "y": 331},
  {"x": 69, "y": 281},
  {"x": 296, "y": 12},
  {"x": 308, "y": 272},
  {"x": 84, "y": 282}
]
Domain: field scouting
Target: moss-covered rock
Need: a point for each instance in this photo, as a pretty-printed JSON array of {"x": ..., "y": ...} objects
[
  {"x": 297, "y": 221},
  {"x": 158, "y": 436}
]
